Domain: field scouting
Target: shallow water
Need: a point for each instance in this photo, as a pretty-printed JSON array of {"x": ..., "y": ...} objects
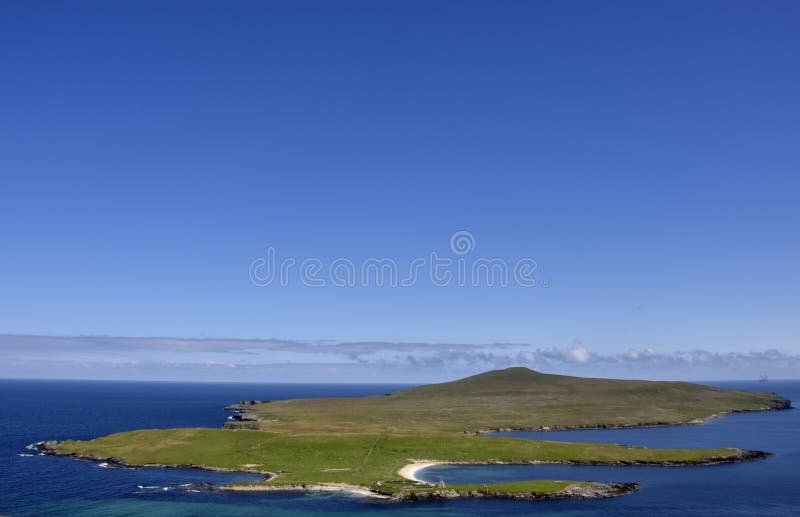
[{"x": 43, "y": 485}]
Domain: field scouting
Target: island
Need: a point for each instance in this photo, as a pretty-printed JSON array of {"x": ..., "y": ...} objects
[{"x": 375, "y": 445}]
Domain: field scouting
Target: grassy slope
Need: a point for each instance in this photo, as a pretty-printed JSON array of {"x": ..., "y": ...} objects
[
  {"x": 512, "y": 398},
  {"x": 309, "y": 459}
]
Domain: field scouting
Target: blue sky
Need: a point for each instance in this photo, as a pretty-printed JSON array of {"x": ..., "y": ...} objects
[{"x": 644, "y": 154}]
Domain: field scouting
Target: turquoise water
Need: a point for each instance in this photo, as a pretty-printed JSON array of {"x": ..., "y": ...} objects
[{"x": 42, "y": 485}]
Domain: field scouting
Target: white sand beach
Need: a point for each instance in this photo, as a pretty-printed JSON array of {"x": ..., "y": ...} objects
[{"x": 410, "y": 471}]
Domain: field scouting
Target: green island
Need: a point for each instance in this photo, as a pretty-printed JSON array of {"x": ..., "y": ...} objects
[{"x": 375, "y": 445}]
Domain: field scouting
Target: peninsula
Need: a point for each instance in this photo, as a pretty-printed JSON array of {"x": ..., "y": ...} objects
[{"x": 375, "y": 445}]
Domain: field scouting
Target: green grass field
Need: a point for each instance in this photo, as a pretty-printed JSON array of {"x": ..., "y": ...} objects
[{"x": 355, "y": 459}]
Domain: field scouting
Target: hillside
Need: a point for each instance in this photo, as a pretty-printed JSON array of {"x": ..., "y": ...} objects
[{"x": 514, "y": 398}]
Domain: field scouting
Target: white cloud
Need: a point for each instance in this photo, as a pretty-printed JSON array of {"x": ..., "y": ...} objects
[
  {"x": 579, "y": 353},
  {"x": 419, "y": 361}
]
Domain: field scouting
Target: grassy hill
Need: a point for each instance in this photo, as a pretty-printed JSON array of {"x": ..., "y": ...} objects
[
  {"x": 515, "y": 398},
  {"x": 363, "y": 442}
]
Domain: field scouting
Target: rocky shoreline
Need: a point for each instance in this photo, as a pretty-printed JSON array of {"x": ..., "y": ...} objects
[
  {"x": 575, "y": 491},
  {"x": 742, "y": 455},
  {"x": 243, "y": 416},
  {"x": 578, "y": 490},
  {"x": 778, "y": 405},
  {"x": 51, "y": 448}
]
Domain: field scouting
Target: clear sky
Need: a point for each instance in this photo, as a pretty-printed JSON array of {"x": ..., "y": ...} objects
[{"x": 644, "y": 154}]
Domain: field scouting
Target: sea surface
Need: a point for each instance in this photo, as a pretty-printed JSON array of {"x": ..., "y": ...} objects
[{"x": 32, "y": 485}]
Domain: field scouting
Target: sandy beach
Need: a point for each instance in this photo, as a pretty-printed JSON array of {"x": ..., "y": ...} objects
[{"x": 410, "y": 471}]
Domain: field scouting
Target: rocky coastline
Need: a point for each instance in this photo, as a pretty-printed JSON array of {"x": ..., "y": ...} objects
[
  {"x": 778, "y": 404},
  {"x": 575, "y": 491},
  {"x": 52, "y": 448}
]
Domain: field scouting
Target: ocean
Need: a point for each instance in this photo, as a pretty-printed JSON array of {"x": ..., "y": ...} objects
[{"x": 32, "y": 485}]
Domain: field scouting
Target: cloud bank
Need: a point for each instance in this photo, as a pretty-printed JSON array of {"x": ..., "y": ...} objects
[{"x": 116, "y": 357}]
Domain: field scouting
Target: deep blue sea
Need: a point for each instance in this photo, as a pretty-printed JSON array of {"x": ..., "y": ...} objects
[{"x": 32, "y": 485}]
